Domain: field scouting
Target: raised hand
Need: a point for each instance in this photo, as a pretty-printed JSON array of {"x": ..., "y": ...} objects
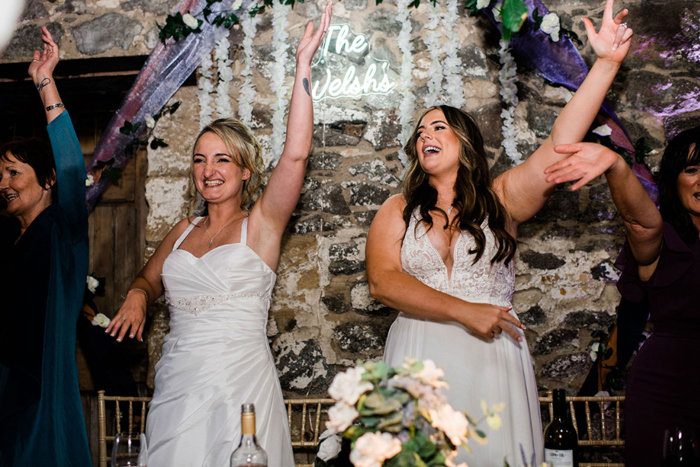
[
  {"x": 587, "y": 162},
  {"x": 612, "y": 42},
  {"x": 311, "y": 41},
  {"x": 43, "y": 63}
]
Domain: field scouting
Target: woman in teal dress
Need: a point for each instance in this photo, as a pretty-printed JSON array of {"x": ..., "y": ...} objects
[{"x": 44, "y": 250}]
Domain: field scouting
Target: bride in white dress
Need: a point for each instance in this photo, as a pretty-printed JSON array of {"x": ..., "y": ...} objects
[
  {"x": 217, "y": 273},
  {"x": 442, "y": 252}
]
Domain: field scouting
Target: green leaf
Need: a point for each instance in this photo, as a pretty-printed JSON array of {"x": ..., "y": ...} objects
[
  {"x": 471, "y": 6},
  {"x": 392, "y": 419},
  {"x": 514, "y": 14},
  {"x": 414, "y": 4}
]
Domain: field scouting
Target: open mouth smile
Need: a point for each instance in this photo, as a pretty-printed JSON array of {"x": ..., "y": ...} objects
[
  {"x": 211, "y": 183},
  {"x": 430, "y": 150}
]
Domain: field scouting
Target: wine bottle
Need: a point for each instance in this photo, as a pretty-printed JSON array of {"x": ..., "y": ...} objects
[
  {"x": 248, "y": 453},
  {"x": 560, "y": 440}
]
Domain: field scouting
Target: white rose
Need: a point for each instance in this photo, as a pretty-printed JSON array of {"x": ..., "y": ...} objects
[
  {"x": 150, "y": 121},
  {"x": 236, "y": 5},
  {"x": 431, "y": 374},
  {"x": 190, "y": 21},
  {"x": 90, "y": 180},
  {"x": 330, "y": 447},
  {"x": 371, "y": 449},
  {"x": 453, "y": 423},
  {"x": 92, "y": 284},
  {"x": 550, "y": 25},
  {"x": 340, "y": 417},
  {"x": 348, "y": 386},
  {"x": 100, "y": 320},
  {"x": 595, "y": 348},
  {"x": 496, "y": 11},
  {"x": 482, "y": 3},
  {"x": 603, "y": 130}
]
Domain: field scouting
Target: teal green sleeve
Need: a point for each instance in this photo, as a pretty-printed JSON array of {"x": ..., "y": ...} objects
[{"x": 70, "y": 174}]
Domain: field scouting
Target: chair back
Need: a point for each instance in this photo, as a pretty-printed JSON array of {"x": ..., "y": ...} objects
[
  {"x": 112, "y": 407},
  {"x": 604, "y": 432}
]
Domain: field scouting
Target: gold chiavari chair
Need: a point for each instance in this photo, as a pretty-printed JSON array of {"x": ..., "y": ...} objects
[
  {"x": 134, "y": 423},
  {"x": 594, "y": 437}
]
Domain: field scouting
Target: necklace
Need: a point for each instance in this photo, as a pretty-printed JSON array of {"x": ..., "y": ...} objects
[
  {"x": 449, "y": 208},
  {"x": 218, "y": 231}
]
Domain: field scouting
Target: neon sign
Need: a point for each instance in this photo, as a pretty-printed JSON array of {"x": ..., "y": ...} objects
[{"x": 337, "y": 50}]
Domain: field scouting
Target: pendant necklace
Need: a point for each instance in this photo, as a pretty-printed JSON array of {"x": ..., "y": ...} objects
[
  {"x": 218, "y": 231},
  {"x": 449, "y": 208}
]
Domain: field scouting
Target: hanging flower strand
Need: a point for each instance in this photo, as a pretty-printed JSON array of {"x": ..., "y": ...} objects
[
  {"x": 277, "y": 69},
  {"x": 408, "y": 100},
  {"x": 432, "y": 42},
  {"x": 223, "y": 67},
  {"x": 453, "y": 64},
  {"x": 247, "y": 95},
  {"x": 508, "y": 77},
  {"x": 206, "y": 88}
]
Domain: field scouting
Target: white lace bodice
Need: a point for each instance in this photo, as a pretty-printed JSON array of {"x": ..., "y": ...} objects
[{"x": 482, "y": 282}]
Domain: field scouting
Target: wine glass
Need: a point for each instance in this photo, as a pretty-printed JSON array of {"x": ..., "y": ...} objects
[
  {"x": 130, "y": 450},
  {"x": 680, "y": 448}
]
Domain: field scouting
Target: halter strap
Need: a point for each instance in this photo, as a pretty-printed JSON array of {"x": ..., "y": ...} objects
[
  {"x": 186, "y": 232},
  {"x": 244, "y": 230}
]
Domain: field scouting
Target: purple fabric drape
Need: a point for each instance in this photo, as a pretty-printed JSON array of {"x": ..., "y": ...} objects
[
  {"x": 162, "y": 75},
  {"x": 561, "y": 63}
]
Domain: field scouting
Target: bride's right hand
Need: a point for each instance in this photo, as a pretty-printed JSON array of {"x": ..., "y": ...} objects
[
  {"x": 487, "y": 320},
  {"x": 132, "y": 314}
]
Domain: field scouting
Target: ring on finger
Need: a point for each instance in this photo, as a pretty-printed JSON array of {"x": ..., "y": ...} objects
[
  {"x": 123, "y": 318},
  {"x": 623, "y": 25}
]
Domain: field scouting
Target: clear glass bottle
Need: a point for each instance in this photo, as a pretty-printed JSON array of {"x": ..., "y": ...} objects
[
  {"x": 560, "y": 440},
  {"x": 248, "y": 453}
]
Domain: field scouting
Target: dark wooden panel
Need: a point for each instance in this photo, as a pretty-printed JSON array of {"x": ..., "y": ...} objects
[
  {"x": 125, "y": 247},
  {"x": 102, "y": 252}
]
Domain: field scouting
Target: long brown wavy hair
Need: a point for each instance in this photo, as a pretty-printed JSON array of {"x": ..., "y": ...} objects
[{"x": 474, "y": 201}]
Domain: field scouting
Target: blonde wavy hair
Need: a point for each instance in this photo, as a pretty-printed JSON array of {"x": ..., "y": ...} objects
[
  {"x": 238, "y": 139},
  {"x": 475, "y": 200}
]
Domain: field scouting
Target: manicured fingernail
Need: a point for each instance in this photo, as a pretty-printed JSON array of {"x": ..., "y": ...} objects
[
  {"x": 131, "y": 336},
  {"x": 114, "y": 334},
  {"x": 119, "y": 339},
  {"x": 614, "y": 47}
]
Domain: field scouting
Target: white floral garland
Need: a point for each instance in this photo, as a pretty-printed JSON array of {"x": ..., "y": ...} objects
[
  {"x": 223, "y": 67},
  {"x": 408, "y": 101},
  {"x": 508, "y": 77},
  {"x": 247, "y": 95},
  {"x": 277, "y": 70},
  {"x": 452, "y": 67},
  {"x": 206, "y": 88},
  {"x": 432, "y": 42}
]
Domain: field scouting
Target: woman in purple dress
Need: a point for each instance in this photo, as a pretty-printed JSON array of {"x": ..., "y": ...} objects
[{"x": 660, "y": 261}]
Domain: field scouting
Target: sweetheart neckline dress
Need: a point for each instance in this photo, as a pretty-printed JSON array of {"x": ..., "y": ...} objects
[
  {"x": 496, "y": 371},
  {"x": 215, "y": 358}
]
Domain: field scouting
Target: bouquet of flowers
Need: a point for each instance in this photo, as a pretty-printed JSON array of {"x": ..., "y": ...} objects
[{"x": 396, "y": 417}]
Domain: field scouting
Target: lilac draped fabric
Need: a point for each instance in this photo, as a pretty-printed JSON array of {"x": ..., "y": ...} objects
[
  {"x": 161, "y": 76},
  {"x": 561, "y": 63}
]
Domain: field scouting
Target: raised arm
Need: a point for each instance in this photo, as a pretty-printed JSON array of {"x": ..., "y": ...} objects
[
  {"x": 523, "y": 189},
  {"x": 70, "y": 165},
  {"x": 642, "y": 220},
  {"x": 284, "y": 187},
  {"x": 396, "y": 289}
]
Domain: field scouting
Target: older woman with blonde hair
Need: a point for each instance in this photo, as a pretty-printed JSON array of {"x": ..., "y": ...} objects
[{"x": 217, "y": 272}]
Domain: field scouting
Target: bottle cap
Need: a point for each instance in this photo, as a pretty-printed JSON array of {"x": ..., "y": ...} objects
[{"x": 248, "y": 408}]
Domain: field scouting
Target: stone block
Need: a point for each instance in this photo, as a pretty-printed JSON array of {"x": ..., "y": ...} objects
[
  {"x": 533, "y": 316},
  {"x": 365, "y": 194},
  {"x": 309, "y": 224},
  {"x": 541, "y": 260},
  {"x": 104, "y": 33},
  {"x": 34, "y": 9},
  {"x": 558, "y": 339},
  {"x": 329, "y": 199},
  {"x": 359, "y": 337},
  {"x": 322, "y": 160},
  {"x": 566, "y": 367},
  {"x": 592, "y": 320},
  {"x": 337, "y": 303},
  {"x": 376, "y": 171},
  {"x": 27, "y": 39},
  {"x": 301, "y": 365},
  {"x": 365, "y": 218}
]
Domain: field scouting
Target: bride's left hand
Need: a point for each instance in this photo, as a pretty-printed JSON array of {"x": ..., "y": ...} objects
[{"x": 311, "y": 41}]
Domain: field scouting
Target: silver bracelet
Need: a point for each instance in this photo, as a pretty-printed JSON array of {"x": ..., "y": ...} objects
[
  {"x": 55, "y": 106},
  {"x": 140, "y": 290}
]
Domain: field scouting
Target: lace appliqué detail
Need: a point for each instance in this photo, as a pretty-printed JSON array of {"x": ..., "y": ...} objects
[
  {"x": 482, "y": 282},
  {"x": 198, "y": 304}
]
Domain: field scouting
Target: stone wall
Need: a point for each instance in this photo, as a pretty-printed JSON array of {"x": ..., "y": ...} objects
[{"x": 322, "y": 317}]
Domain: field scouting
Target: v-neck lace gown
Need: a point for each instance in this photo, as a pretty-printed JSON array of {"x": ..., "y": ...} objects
[
  {"x": 496, "y": 371},
  {"x": 215, "y": 358}
]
